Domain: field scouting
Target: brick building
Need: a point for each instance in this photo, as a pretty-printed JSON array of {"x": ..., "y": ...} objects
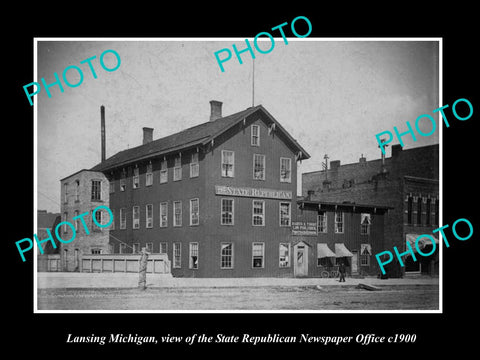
[
  {"x": 408, "y": 181},
  {"x": 218, "y": 198},
  {"x": 81, "y": 193}
]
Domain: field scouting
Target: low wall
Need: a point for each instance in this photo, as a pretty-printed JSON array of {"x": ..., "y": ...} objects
[{"x": 157, "y": 263}]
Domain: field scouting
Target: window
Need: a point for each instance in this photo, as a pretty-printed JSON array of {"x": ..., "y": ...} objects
[
  {"x": 177, "y": 256},
  {"x": 136, "y": 178},
  {"x": 112, "y": 225},
  {"x": 419, "y": 211},
  {"x": 285, "y": 170},
  {"x": 77, "y": 190},
  {"x": 338, "y": 222},
  {"x": 193, "y": 258},
  {"x": 149, "y": 217},
  {"x": 255, "y": 141},
  {"x": 96, "y": 251},
  {"x": 163, "y": 248},
  {"x": 410, "y": 210},
  {"x": 123, "y": 218},
  {"x": 258, "y": 250},
  {"x": 177, "y": 213},
  {"x": 65, "y": 199},
  {"x": 163, "y": 214},
  {"x": 64, "y": 219},
  {"x": 177, "y": 169},
  {"x": 163, "y": 172},
  {"x": 428, "y": 211},
  {"x": 122, "y": 248},
  {"x": 228, "y": 163},
  {"x": 96, "y": 190},
  {"x": 194, "y": 212},
  {"x": 258, "y": 167},
  {"x": 226, "y": 256},
  {"x": 322, "y": 222},
  {"x": 136, "y": 248},
  {"x": 227, "y": 212},
  {"x": 365, "y": 253},
  {"x": 194, "y": 167},
  {"x": 149, "y": 175},
  {"x": 111, "y": 186},
  {"x": 284, "y": 256},
  {"x": 75, "y": 224},
  {"x": 136, "y": 217},
  {"x": 258, "y": 213},
  {"x": 98, "y": 219},
  {"x": 285, "y": 214},
  {"x": 365, "y": 221},
  {"x": 149, "y": 247},
  {"x": 122, "y": 184}
]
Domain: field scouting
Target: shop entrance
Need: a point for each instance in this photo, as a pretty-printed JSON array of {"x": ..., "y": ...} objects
[{"x": 300, "y": 264}]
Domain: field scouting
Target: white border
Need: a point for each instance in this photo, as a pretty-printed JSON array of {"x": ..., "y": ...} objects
[{"x": 340, "y": 39}]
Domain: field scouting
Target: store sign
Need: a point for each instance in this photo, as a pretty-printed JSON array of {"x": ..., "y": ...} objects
[
  {"x": 252, "y": 192},
  {"x": 304, "y": 228}
]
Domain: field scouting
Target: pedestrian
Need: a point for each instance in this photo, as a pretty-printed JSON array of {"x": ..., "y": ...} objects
[
  {"x": 142, "y": 270},
  {"x": 342, "y": 271}
]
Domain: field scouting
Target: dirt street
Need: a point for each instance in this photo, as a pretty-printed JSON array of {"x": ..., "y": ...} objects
[{"x": 414, "y": 297}]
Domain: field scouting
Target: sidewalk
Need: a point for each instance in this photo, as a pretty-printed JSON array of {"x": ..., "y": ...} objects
[{"x": 47, "y": 280}]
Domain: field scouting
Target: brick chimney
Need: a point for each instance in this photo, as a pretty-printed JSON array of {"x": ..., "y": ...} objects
[
  {"x": 147, "y": 135},
  {"x": 334, "y": 165},
  {"x": 396, "y": 149},
  {"x": 215, "y": 110},
  {"x": 102, "y": 133}
]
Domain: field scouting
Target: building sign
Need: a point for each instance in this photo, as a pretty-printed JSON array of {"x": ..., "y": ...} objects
[
  {"x": 304, "y": 228},
  {"x": 253, "y": 192}
]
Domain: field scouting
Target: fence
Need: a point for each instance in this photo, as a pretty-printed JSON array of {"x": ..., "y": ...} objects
[{"x": 157, "y": 263}]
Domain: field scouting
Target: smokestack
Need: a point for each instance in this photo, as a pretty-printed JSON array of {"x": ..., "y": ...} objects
[
  {"x": 215, "y": 110},
  {"x": 102, "y": 124},
  {"x": 147, "y": 135}
]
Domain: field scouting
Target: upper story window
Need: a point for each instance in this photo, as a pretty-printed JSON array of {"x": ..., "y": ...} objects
[
  {"x": 65, "y": 187},
  {"x": 258, "y": 167},
  {"x": 149, "y": 175},
  {"x": 194, "y": 212},
  {"x": 339, "y": 222},
  {"x": 255, "y": 135},
  {"x": 228, "y": 163},
  {"x": 177, "y": 169},
  {"x": 123, "y": 218},
  {"x": 163, "y": 172},
  {"x": 322, "y": 222},
  {"x": 258, "y": 213},
  {"x": 123, "y": 180},
  {"x": 285, "y": 170},
  {"x": 136, "y": 217},
  {"x": 77, "y": 190},
  {"x": 136, "y": 178},
  {"x": 285, "y": 214},
  {"x": 149, "y": 216},
  {"x": 227, "y": 212},
  {"x": 194, "y": 167},
  {"x": 365, "y": 221},
  {"x": 96, "y": 190},
  {"x": 177, "y": 213}
]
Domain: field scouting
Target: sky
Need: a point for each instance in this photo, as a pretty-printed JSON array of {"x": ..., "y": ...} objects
[{"x": 332, "y": 96}]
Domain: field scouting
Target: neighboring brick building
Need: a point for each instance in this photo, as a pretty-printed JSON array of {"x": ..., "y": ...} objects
[
  {"x": 82, "y": 192},
  {"x": 218, "y": 198},
  {"x": 49, "y": 260},
  {"x": 408, "y": 182}
]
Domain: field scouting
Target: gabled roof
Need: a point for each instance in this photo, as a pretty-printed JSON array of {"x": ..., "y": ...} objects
[{"x": 198, "y": 135}]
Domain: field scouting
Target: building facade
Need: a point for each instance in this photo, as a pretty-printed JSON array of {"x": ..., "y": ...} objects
[
  {"x": 81, "y": 193},
  {"x": 218, "y": 198},
  {"x": 408, "y": 181}
]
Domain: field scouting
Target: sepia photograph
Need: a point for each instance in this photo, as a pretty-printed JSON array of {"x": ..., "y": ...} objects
[{"x": 268, "y": 174}]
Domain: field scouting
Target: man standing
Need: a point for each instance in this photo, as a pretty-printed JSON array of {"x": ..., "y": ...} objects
[
  {"x": 142, "y": 271},
  {"x": 342, "y": 271}
]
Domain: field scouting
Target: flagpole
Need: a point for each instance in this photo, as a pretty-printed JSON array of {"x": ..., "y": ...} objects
[{"x": 253, "y": 83}]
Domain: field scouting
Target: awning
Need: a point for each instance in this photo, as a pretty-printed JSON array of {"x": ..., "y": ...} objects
[
  {"x": 424, "y": 241},
  {"x": 341, "y": 250},
  {"x": 324, "y": 251}
]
